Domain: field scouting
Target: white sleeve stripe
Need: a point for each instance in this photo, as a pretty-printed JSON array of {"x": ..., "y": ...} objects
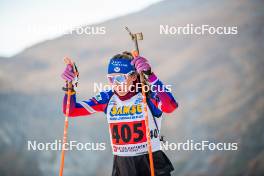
[
  {"x": 87, "y": 107},
  {"x": 159, "y": 105},
  {"x": 154, "y": 81}
]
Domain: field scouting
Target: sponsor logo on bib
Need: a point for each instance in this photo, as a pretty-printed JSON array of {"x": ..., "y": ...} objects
[{"x": 126, "y": 110}]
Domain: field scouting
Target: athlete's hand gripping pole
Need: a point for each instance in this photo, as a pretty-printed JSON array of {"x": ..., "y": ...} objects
[
  {"x": 66, "y": 122},
  {"x": 135, "y": 37}
]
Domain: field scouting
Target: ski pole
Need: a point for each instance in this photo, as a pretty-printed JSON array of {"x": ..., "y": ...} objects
[
  {"x": 135, "y": 37},
  {"x": 66, "y": 122}
]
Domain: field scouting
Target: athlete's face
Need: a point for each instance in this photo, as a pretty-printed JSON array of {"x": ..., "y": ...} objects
[{"x": 121, "y": 83}]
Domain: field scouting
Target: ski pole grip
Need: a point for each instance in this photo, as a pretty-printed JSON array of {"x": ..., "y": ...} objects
[
  {"x": 67, "y": 61},
  {"x": 134, "y": 53}
]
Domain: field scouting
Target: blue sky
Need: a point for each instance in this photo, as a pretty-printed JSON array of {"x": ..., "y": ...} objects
[{"x": 27, "y": 22}]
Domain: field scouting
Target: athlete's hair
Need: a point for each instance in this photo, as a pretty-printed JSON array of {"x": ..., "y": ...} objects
[{"x": 125, "y": 55}]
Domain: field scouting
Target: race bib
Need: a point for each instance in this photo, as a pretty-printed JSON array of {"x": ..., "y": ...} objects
[
  {"x": 128, "y": 132},
  {"x": 127, "y": 127}
]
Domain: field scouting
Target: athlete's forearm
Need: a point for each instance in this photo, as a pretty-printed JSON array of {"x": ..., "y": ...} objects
[
  {"x": 87, "y": 107},
  {"x": 76, "y": 109}
]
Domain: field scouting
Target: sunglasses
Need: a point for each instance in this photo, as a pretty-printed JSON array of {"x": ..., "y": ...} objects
[{"x": 120, "y": 78}]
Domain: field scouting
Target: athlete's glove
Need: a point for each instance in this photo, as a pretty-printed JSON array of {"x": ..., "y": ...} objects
[
  {"x": 68, "y": 74},
  {"x": 141, "y": 64}
]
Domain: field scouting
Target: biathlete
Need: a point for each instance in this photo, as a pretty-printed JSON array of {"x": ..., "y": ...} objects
[{"x": 123, "y": 107}]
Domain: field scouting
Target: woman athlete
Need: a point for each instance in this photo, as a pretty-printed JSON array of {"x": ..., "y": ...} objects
[{"x": 123, "y": 107}]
